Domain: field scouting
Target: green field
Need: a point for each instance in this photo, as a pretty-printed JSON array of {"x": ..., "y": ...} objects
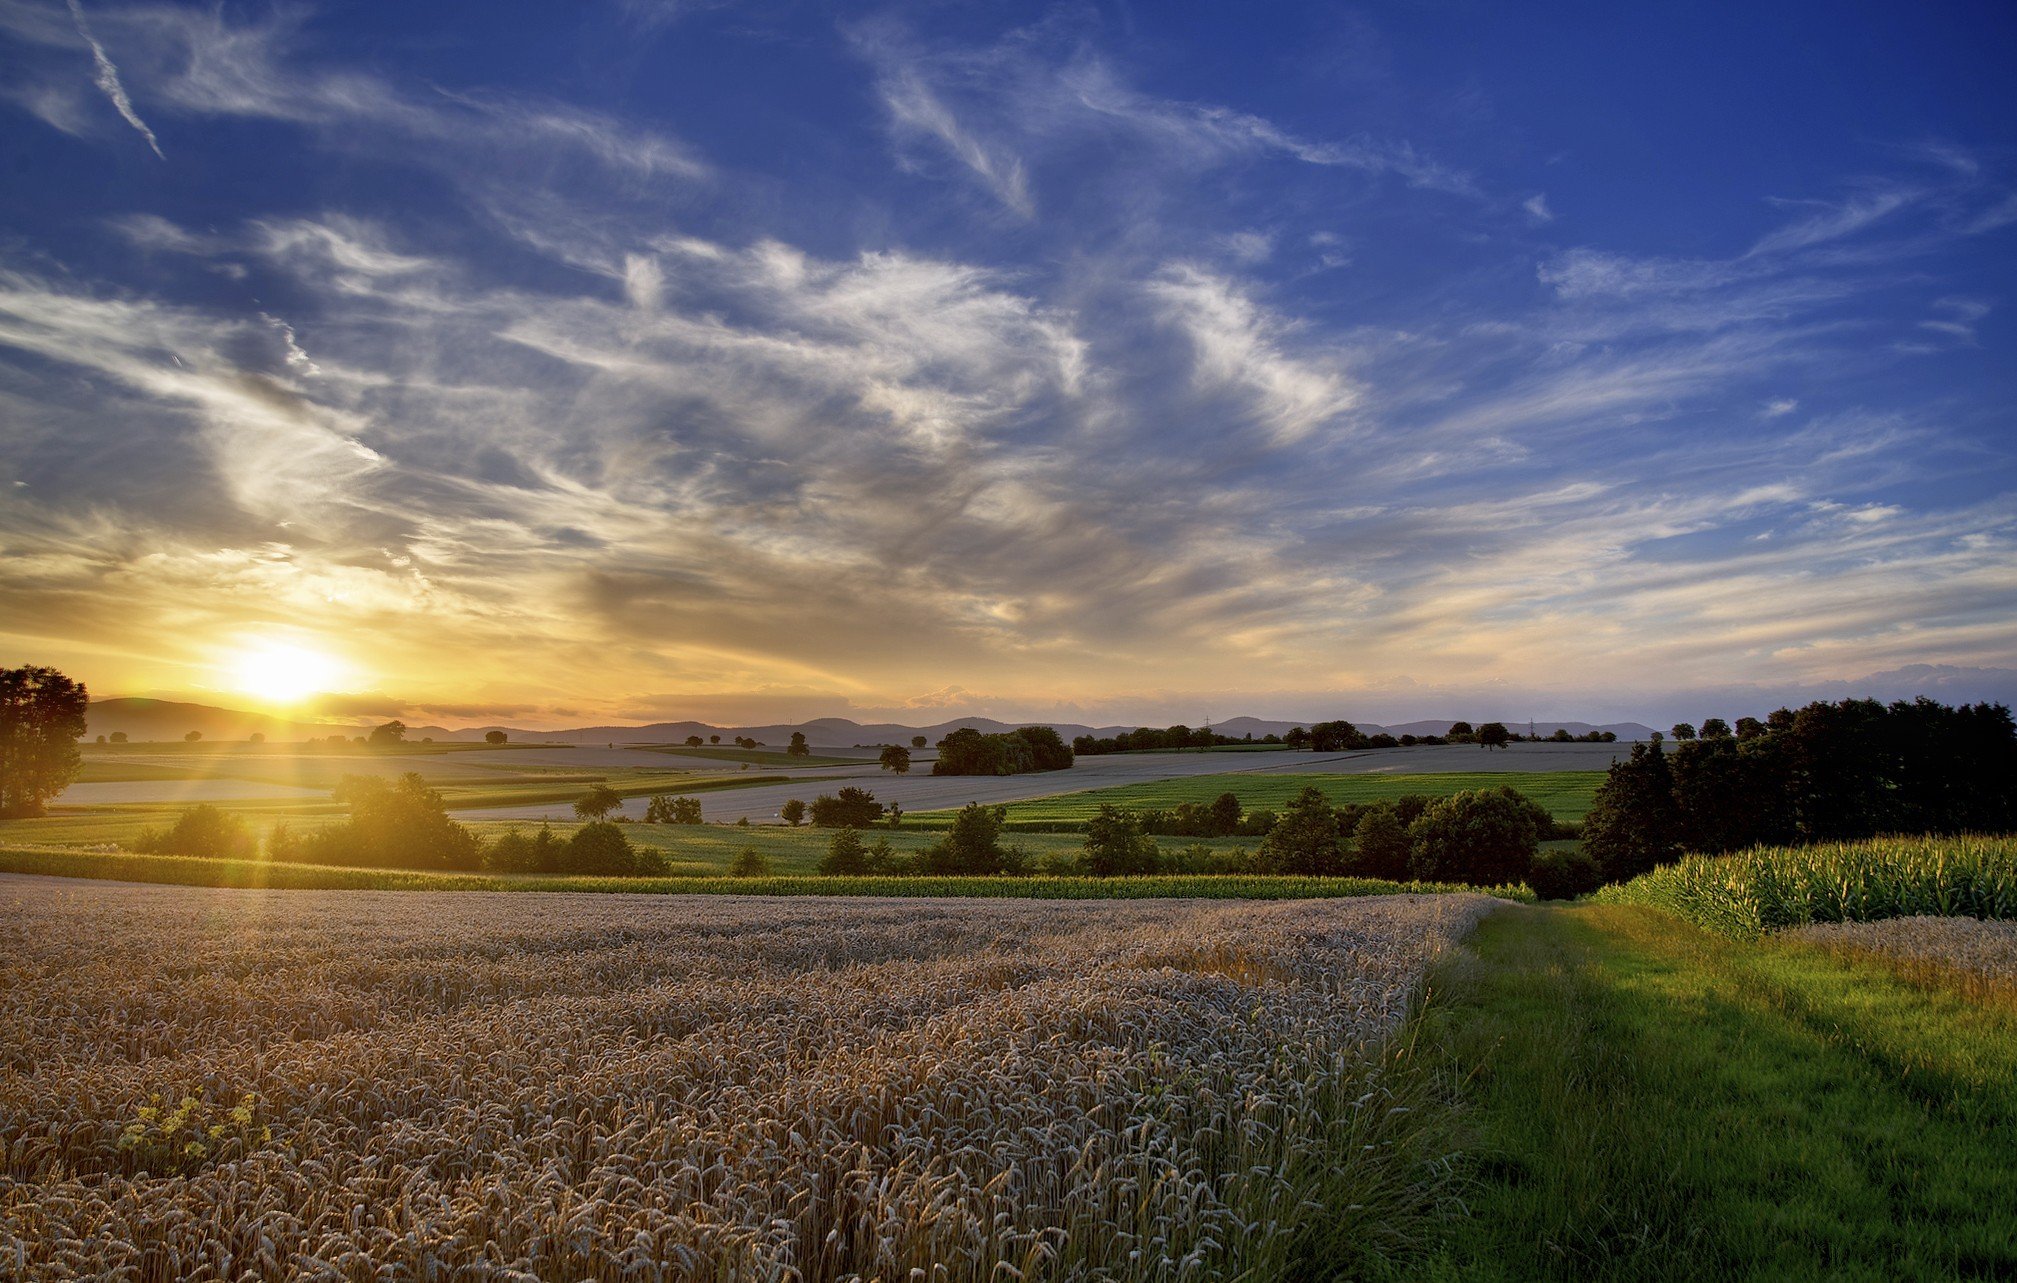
[
  {"x": 1639, "y": 1099},
  {"x": 195, "y": 871},
  {"x": 1566, "y": 794},
  {"x": 754, "y": 756}
]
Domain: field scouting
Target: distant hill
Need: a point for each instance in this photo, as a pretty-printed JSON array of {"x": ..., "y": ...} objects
[{"x": 160, "y": 719}]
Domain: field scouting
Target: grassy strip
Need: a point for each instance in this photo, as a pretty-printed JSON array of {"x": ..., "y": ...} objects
[
  {"x": 1566, "y": 794},
  {"x": 1649, "y": 1101},
  {"x": 754, "y": 756},
  {"x": 195, "y": 871},
  {"x": 1770, "y": 888}
]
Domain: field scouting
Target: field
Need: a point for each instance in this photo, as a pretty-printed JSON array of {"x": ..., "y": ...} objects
[
  {"x": 1773, "y": 888},
  {"x": 754, "y": 756},
  {"x": 276, "y": 1084},
  {"x": 180, "y": 870},
  {"x": 1566, "y": 794}
]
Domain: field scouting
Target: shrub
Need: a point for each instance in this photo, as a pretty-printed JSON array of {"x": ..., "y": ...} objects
[
  {"x": 1304, "y": 840},
  {"x": 661, "y": 809},
  {"x": 749, "y": 863},
  {"x": 399, "y": 824},
  {"x": 973, "y": 845},
  {"x": 792, "y": 812},
  {"x": 599, "y": 847},
  {"x": 1382, "y": 846},
  {"x": 1563, "y": 875},
  {"x": 845, "y": 856},
  {"x": 1115, "y": 845},
  {"x": 1201, "y": 859},
  {"x": 514, "y": 852},
  {"x": 201, "y": 830},
  {"x": 1483, "y": 838},
  {"x": 852, "y": 808}
]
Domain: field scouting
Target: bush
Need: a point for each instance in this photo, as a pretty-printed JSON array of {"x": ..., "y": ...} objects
[
  {"x": 749, "y": 863},
  {"x": 852, "y": 808},
  {"x": 1382, "y": 846},
  {"x": 396, "y": 824},
  {"x": 1116, "y": 846},
  {"x": 792, "y": 812},
  {"x": 1304, "y": 840},
  {"x": 672, "y": 810},
  {"x": 600, "y": 848},
  {"x": 845, "y": 856},
  {"x": 1563, "y": 875},
  {"x": 1484, "y": 837},
  {"x": 201, "y": 830},
  {"x": 1201, "y": 859},
  {"x": 973, "y": 845},
  {"x": 514, "y": 852}
]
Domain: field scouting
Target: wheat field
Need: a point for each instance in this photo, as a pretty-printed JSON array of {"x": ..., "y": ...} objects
[{"x": 477, "y": 1086}]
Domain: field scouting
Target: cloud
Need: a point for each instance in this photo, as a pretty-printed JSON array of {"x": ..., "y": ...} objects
[
  {"x": 1537, "y": 208},
  {"x": 1834, "y": 222},
  {"x": 915, "y": 109},
  {"x": 107, "y": 80}
]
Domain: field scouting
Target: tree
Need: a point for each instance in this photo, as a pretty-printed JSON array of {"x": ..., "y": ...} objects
[
  {"x": 973, "y": 845},
  {"x": 917, "y": 741},
  {"x": 1225, "y": 815},
  {"x": 749, "y": 863},
  {"x": 1494, "y": 735},
  {"x": 597, "y": 803},
  {"x": 661, "y": 809},
  {"x": 798, "y": 746},
  {"x": 513, "y": 852},
  {"x": 1459, "y": 733},
  {"x": 1381, "y": 846},
  {"x": 1714, "y": 728},
  {"x": 1633, "y": 825},
  {"x": 1304, "y": 840},
  {"x": 852, "y": 808},
  {"x": 1115, "y": 845},
  {"x": 1683, "y": 731},
  {"x": 1296, "y": 738},
  {"x": 1335, "y": 737},
  {"x": 201, "y": 830},
  {"x": 393, "y": 732},
  {"x": 845, "y": 856},
  {"x": 258, "y": 737},
  {"x": 1749, "y": 728},
  {"x": 714, "y": 739},
  {"x": 895, "y": 757},
  {"x": 192, "y": 737},
  {"x": 495, "y": 737},
  {"x": 119, "y": 737},
  {"x": 792, "y": 812},
  {"x": 42, "y": 715},
  {"x": 599, "y": 848},
  {"x": 693, "y": 741},
  {"x": 1484, "y": 837},
  {"x": 401, "y": 824}
]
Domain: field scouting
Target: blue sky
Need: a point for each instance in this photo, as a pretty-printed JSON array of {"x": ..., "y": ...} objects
[{"x": 1104, "y": 362}]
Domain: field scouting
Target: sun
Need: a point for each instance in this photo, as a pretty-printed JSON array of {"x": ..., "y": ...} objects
[{"x": 280, "y": 673}]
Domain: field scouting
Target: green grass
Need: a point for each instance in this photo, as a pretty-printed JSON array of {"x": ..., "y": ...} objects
[
  {"x": 754, "y": 756},
  {"x": 799, "y": 850},
  {"x": 1641, "y": 1099},
  {"x": 1753, "y": 892},
  {"x": 196, "y": 871},
  {"x": 1567, "y": 794}
]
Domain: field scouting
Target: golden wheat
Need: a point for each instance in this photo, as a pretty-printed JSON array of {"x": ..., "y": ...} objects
[{"x": 610, "y": 1087}]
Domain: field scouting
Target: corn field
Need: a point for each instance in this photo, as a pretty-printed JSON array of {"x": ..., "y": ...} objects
[
  {"x": 1773, "y": 888},
  {"x": 218, "y": 1084}
]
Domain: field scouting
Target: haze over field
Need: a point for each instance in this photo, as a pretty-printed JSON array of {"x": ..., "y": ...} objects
[{"x": 750, "y": 363}]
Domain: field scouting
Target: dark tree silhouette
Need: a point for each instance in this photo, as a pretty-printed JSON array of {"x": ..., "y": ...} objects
[{"x": 42, "y": 715}]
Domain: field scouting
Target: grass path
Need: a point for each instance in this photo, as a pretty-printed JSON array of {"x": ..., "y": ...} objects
[{"x": 1647, "y": 1101}]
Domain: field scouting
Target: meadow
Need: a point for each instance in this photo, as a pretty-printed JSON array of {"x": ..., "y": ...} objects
[
  {"x": 1566, "y": 794},
  {"x": 277, "y": 1084}
]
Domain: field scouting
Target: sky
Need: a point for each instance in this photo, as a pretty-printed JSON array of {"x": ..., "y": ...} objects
[{"x": 747, "y": 362}]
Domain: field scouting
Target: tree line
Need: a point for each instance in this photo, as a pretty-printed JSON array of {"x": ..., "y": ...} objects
[{"x": 1826, "y": 772}]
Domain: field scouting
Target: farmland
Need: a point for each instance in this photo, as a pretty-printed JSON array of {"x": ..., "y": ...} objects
[
  {"x": 1566, "y": 794},
  {"x": 675, "y": 1088}
]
